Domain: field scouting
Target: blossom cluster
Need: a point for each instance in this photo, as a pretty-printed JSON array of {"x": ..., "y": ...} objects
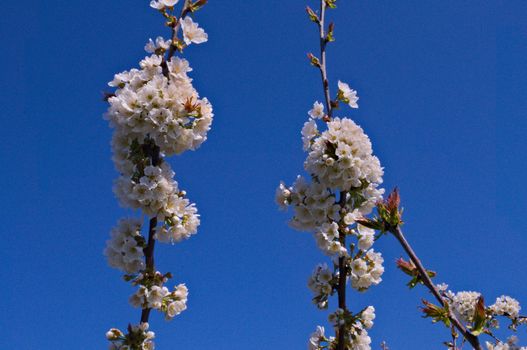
[
  {"x": 138, "y": 337},
  {"x": 152, "y": 294},
  {"x": 155, "y": 112},
  {"x": 469, "y": 307},
  {"x": 124, "y": 250},
  {"x": 510, "y": 344},
  {"x": 344, "y": 186},
  {"x": 322, "y": 283}
]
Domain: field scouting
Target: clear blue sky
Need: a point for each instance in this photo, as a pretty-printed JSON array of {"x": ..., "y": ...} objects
[{"x": 442, "y": 95}]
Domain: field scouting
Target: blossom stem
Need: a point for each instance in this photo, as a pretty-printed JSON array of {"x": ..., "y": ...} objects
[
  {"x": 154, "y": 155},
  {"x": 427, "y": 281},
  {"x": 343, "y": 273},
  {"x": 322, "y": 67}
]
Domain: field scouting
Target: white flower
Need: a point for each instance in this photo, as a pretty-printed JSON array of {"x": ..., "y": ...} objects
[
  {"x": 348, "y": 95},
  {"x": 352, "y": 163},
  {"x": 318, "y": 111},
  {"x": 464, "y": 304},
  {"x": 160, "y": 43},
  {"x": 366, "y": 237},
  {"x": 367, "y": 270},
  {"x": 367, "y": 316},
  {"x": 316, "y": 338},
  {"x": 161, "y": 4},
  {"x": 175, "y": 308},
  {"x": 192, "y": 33},
  {"x": 282, "y": 196},
  {"x": 309, "y": 131},
  {"x": 506, "y": 306},
  {"x": 350, "y": 218},
  {"x": 123, "y": 250}
]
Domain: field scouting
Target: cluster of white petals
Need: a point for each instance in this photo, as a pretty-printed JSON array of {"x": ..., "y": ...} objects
[
  {"x": 161, "y": 4},
  {"x": 344, "y": 187},
  {"x": 464, "y": 304},
  {"x": 313, "y": 203},
  {"x": 506, "y": 306},
  {"x": 317, "y": 338},
  {"x": 509, "y": 345},
  {"x": 327, "y": 237},
  {"x": 138, "y": 338},
  {"x": 357, "y": 334},
  {"x": 124, "y": 250},
  {"x": 169, "y": 111},
  {"x": 192, "y": 33},
  {"x": 341, "y": 157},
  {"x": 347, "y": 95},
  {"x": 366, "y": 270},
  {"x": 155, "y": 112},
  {"x": 160, "y": 298},
  {"x": 320, "y": 283},
  {"x": 367, "y": 317}
]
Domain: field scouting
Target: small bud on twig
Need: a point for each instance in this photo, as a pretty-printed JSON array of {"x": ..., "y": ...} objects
[
  {"x": 312, "y": 15},
  {"x": 409, "y": 268},
  {"x": 330, "y": 37},
  {"x": 313, "y": 60}
]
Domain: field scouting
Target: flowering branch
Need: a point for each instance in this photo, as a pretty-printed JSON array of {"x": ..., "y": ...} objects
[
  {"x": 344, "y": 186},
  {"x": 427, "y": 281},
  {"x": 156, "y": 112},
  {"x": 324, "y": 39},
  {"x": 463, "y": 311}
]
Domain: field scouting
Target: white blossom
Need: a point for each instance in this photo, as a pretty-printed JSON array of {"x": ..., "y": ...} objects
[
  {"x": 367, "y": 270},
  {"x": 192, "y": 33},
  {"x": 309, "y": 132},
  {"x": 320, "y": 284},
  {"x": 341, "y": 157},
  {"x": 464, "y": 304},
  {"x": 316, "y": 338},
  {"x": 160, "y": 43},
  {"x": 348, "y": 95},
  {"x": 317, "y": 112},
  {"x": 161, "y": 4},
  {"x": 168, "y": 111},
  {"x": 507, "y": 306},
  {"x": 366, "y": 237},
  {"x": 124, "y": 250},
  {"x": 367, "y": 317}
]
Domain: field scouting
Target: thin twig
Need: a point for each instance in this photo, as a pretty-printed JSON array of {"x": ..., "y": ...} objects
[
  {"x": 341, "y": 291},
  {"x": 427, "y": 281},
  {"x": 322, "y": 67},
  {"x": 154, "y": 155}
]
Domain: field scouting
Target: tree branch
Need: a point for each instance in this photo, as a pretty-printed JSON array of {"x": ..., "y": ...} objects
[
  {"x": 341, "y": 291},
  {"x": 427, "y": 281},
  {"x": 154, "y": 155},
  {"x": 322, "y": 67}
]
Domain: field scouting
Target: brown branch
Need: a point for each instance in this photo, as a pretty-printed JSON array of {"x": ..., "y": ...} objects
[
  {"x": 154, "y": 155},
  {"x": 427, "y": 281},
  {"x": 341, "y": 291},
  {"x": 322, "y": 66},
  {"x": 343, "y": 273}
]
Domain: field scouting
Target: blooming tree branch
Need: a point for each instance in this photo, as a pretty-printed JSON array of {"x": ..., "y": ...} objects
[
  {"x": 155, "y": 112},
  {"x": 463, "y": 311},
  {"x": 344, "y": 186},
  {"x": 334, "y": 204}
]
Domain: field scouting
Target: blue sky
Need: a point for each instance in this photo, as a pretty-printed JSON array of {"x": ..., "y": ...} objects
[{"x": 442, "y": 96}]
